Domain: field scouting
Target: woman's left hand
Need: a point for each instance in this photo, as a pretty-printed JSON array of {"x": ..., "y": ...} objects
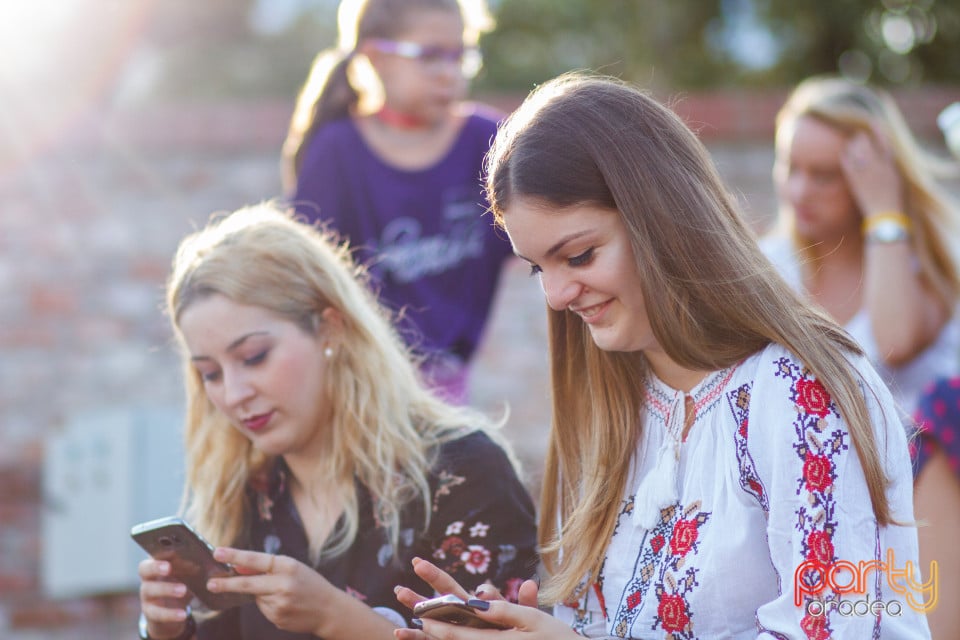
[
  {"x": 441, "y": 581},
  {"x": 287, "y": 591}
]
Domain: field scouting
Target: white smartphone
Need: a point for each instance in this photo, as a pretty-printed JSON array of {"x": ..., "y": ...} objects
[
  {"x": 452, "y": 609},
  {"x": 191, "y": 559}
]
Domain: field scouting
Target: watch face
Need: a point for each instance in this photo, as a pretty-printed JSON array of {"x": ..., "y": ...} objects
[{"x": 888, "y": 231}]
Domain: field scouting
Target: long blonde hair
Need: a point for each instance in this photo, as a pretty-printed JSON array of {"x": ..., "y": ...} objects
[
  {"x": 338, "y": 81},
  {"x": 713, "y": 298},
  {"x": 851, "y": 108},
  {"x": 385, "y": 423}
]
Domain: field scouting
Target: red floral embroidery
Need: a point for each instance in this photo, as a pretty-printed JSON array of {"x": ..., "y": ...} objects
[
  {"x": 683, "y": 536},
  {"x": 749, "y": 478},
  {"x": 817, "y": 449},
  {"x": 815, "y": 627},
  {"x": 673, "y": 611},
  {"x": 820, "y": 547},
  {"x": 817, "y": 472},
  {"x": 669, "y": 574},
  {"x": 812, "y": 397},
  {"x": 657, "y": 543}
]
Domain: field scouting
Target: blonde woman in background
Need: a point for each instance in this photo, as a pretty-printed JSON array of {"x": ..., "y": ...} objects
[
  {"x": 718, "y": 443},
  {"x": 315, "y": 454},
  {"x": 865, "y": 232}
]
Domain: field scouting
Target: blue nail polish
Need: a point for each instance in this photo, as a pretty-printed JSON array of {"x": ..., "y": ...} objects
[
  {"x": 480, "y": 605},
  {"x": 417, "y": 622}
]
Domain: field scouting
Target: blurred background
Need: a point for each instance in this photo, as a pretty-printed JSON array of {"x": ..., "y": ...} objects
[{"x": 125, "y": 123}]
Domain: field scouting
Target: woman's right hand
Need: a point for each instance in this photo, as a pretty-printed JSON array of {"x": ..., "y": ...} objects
[
  {"x": 163, "y": 600},
  {"x": 443, "y": 584}
]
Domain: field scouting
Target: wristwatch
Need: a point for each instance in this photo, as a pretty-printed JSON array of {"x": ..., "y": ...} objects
[
  {"x": 187, "y": 634},
  {"x": 887, "y": 231}
]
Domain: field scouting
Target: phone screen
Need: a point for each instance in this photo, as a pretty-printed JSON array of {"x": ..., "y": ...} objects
[{"x": 190, "y": 557}]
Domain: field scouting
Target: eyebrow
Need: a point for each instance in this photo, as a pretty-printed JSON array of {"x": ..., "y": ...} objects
[
  {"x": 557, "y": 245},
  {"x": 233, "y": 345}
]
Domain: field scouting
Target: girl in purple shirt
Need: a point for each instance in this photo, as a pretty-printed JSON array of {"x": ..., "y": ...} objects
[{"x": 383, "y": 150}]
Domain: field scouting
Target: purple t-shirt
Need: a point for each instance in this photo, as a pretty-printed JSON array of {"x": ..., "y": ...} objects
[{"x": 425, "y": 235}]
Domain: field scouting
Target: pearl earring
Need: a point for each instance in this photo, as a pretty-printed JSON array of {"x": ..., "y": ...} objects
[{"x": 328, "y": 352}]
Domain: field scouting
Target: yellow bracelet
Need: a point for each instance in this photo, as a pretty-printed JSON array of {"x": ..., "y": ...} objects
[{"x": 887, "y": 218}]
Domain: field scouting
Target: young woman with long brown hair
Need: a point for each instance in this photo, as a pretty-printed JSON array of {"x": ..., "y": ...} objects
[{"x": 719, "y": 445}]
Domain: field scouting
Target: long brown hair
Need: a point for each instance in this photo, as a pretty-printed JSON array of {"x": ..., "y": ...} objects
[
  {"x": 335, "y": 85},
  {"x": 716, "y": 299}
]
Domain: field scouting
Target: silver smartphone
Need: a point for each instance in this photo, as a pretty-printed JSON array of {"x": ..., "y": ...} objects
[
  {"x": 191, "y": 559},
  {"x": 452, "y": 609}
]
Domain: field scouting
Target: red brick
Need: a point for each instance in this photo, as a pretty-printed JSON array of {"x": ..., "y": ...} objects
[
  {"x": 19, "y": 549},
  {"x": 17, "y": 584},
  {"x": 150, "y": 269},
  {"x": 122, "y": 605},
  {"x": 99, "y": 330},
  {"x": 21, "y": 484},
  {"x": 45, "y": 614},
  {"x": 52, "y": 300},
  {"x": 28, "y": 335},
  {"x": 80, "y": 612}
]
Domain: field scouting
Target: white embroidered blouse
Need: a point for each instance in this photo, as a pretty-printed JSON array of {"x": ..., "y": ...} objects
[{"x": 767, "y": 529}]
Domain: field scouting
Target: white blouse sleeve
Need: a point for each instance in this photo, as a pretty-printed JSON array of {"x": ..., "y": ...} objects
[
  {"x": 584, "y": 617},
  {"x": 841, "y": 575}
]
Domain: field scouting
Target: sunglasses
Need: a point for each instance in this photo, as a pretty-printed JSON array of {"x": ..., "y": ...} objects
[{"x": 468, "y": 59}]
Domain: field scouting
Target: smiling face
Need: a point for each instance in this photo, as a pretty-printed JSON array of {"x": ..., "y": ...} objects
[
  {"x": 810, "y": 180},
  {"x": 263, "y": 372},
  {"x": 583, "y": 257}
]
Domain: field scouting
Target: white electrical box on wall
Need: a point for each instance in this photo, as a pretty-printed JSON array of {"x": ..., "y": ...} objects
[{"x": 104, "y": 472}]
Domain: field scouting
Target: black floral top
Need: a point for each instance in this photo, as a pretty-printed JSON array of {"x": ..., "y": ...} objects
[{"x": 481, "y": 530}]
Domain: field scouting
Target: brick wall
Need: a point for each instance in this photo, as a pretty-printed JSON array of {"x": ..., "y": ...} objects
[
  {"x": 86, "y": 236},
  {"x": 90, "y": 212}
]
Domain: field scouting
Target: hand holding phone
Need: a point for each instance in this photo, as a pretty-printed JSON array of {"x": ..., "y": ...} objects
[
  {"x": 191, "y": 559},
  {"x": 455, "y": 610}
]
